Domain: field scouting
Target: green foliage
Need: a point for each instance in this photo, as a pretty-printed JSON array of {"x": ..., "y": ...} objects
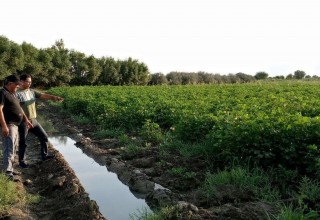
[
  {"x": 189, "y": 150},
  {"x": 85, "y": 70},
  {"x": 132, "y": 149},
  {"x": 133, "y": 73},
  {"x": 81, "y": 119},
  {"x": 32, "y": 65},
  {"x": 193, "y": 127},
  {"x": 162, "y": 214},
  {"x": 292, "y": 213},
  {"x": 59, "y": 74},
  {"x": 254, "y": 180},
  {"x": 309, "y": 193},
  {"x": 109, "y": 133},
  {"x": 170, "y": 145},
  {"x": 158, "y": 79},
  {"x": 57, "y": 65},
  {"x": 142, "y": 214},
  {"x": 285, "y": 180},
  {"x": 124, "y": 139},
  {"x": 271, "y": 129},
  {"x": 268, "y": 124},
  {"x": 151, "y": 132},
  {"x": 182, "y": 172},
  {"x": 11, "y": 57},
  {"x": 299, "y": 74},
  {"x": 110, "y": 72},
  {"x": 261, "y": 75},
  {"x": 132, "y": 146},
  {"x": 10, "y": 196},
  {"x": 308, "y": 199},
  {"x": 289, "y": 141}
]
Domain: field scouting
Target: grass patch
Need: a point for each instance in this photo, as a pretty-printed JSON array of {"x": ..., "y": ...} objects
[
  {"x": 309, "y": 193},
  {"x": 124, "y": 139},
  {"x": 107, "y": 133},
  {"x": 12, "y": 196},
  {"x": 151, "y": 132},
  {"x": 182, "y": 172},
  {"x": 132, "y": 150},
  {"x": 133, "y": 146},
  {"x": 161, "y": 214},
  {"x": 254, "y": 180},
  {"x": 291, "y": 213},
  {"x": 81, "y": 119}
]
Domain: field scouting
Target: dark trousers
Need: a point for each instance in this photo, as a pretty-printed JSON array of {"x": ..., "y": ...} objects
[{"x": 39, "y": 132}]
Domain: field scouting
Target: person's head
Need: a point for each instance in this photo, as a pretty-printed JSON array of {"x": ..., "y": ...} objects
[
  {"x": 12, "y": 83},
  {"x": 25, "y": 80}
]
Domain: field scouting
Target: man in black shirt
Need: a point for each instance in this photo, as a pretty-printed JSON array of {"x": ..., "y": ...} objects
[{"x": 11, "y": 115}]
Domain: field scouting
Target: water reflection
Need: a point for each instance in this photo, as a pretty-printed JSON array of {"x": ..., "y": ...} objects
[{"x": 115, "y": 200}]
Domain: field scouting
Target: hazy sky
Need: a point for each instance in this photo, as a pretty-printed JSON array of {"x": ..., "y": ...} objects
[{"x": 215, "y": 36}]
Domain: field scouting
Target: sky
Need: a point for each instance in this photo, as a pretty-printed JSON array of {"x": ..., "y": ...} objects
[{"x": 214, "y": 36}]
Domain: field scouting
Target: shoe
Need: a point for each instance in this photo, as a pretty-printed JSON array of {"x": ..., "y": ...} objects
[
  {"x": 9, "y": 175},
  {"x": 16, "y": 173},
  {"x": 23, "y": 165},
  {"x": 48, "y": 157}
]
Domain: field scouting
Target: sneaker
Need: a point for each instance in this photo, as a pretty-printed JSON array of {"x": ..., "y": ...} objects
[
  {"x": 48, "y": 157},
  {"x": 9, "y": 175},
  {"x": 23, "y": 165},
  {"x": 16, "y": 173}
]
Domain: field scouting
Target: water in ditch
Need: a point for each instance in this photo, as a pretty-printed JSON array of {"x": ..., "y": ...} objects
[{"x": 115, "y": 200}]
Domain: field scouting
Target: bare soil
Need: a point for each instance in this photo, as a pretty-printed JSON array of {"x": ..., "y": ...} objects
[{"x": 63, "y": 197}]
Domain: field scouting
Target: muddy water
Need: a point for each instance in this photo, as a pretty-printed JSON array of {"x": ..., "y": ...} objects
[{"x": 115, "y": 200}]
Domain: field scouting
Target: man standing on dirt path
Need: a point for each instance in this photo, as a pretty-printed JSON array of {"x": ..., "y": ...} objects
[
  {"x": 27, "y": 99},
  {"x": 11, "y": 115}
]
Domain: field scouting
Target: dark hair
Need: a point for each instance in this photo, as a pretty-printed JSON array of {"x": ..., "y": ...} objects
[
  {"x": 25, "y": 76},
  {"x": 12, "y": 78}
]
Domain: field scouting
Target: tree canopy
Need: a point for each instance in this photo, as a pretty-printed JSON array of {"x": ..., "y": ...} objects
[{"x": 57, "y": 65}]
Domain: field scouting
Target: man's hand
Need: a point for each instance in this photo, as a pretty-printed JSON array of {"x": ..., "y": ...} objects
[
  {"x": 51, "y": 97},
  {"x": 29, "y": 124},
  {"x": 5, "y": 131},
  {"x": 58, "y": 99}
]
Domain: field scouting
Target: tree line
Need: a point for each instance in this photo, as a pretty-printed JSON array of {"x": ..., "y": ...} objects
[{"x": 57, "y": 65}]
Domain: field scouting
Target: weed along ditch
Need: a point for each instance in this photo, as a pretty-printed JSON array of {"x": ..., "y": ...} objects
[{"x": 115, "y": 200}]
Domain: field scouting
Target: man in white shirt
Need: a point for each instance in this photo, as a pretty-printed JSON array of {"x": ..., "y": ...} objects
[{"x": 27, "y": 98}]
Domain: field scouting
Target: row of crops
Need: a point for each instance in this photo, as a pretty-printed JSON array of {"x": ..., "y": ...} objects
[{"x": 270, "y": 124}]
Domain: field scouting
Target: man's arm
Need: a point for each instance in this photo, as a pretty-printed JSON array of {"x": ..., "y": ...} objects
[
  {"x": 51, "y": 97},
  {"x": 5, "y": 129},
  {"x": 25, "y": 118}
]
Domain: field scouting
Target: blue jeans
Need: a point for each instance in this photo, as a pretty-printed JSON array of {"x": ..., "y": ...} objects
[
  {"x": 9, "y": 145},
  {"x": 39, "y": 132}
]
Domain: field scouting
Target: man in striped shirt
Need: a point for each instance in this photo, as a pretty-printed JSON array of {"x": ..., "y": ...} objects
[{"x": 27, "y": 98}]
